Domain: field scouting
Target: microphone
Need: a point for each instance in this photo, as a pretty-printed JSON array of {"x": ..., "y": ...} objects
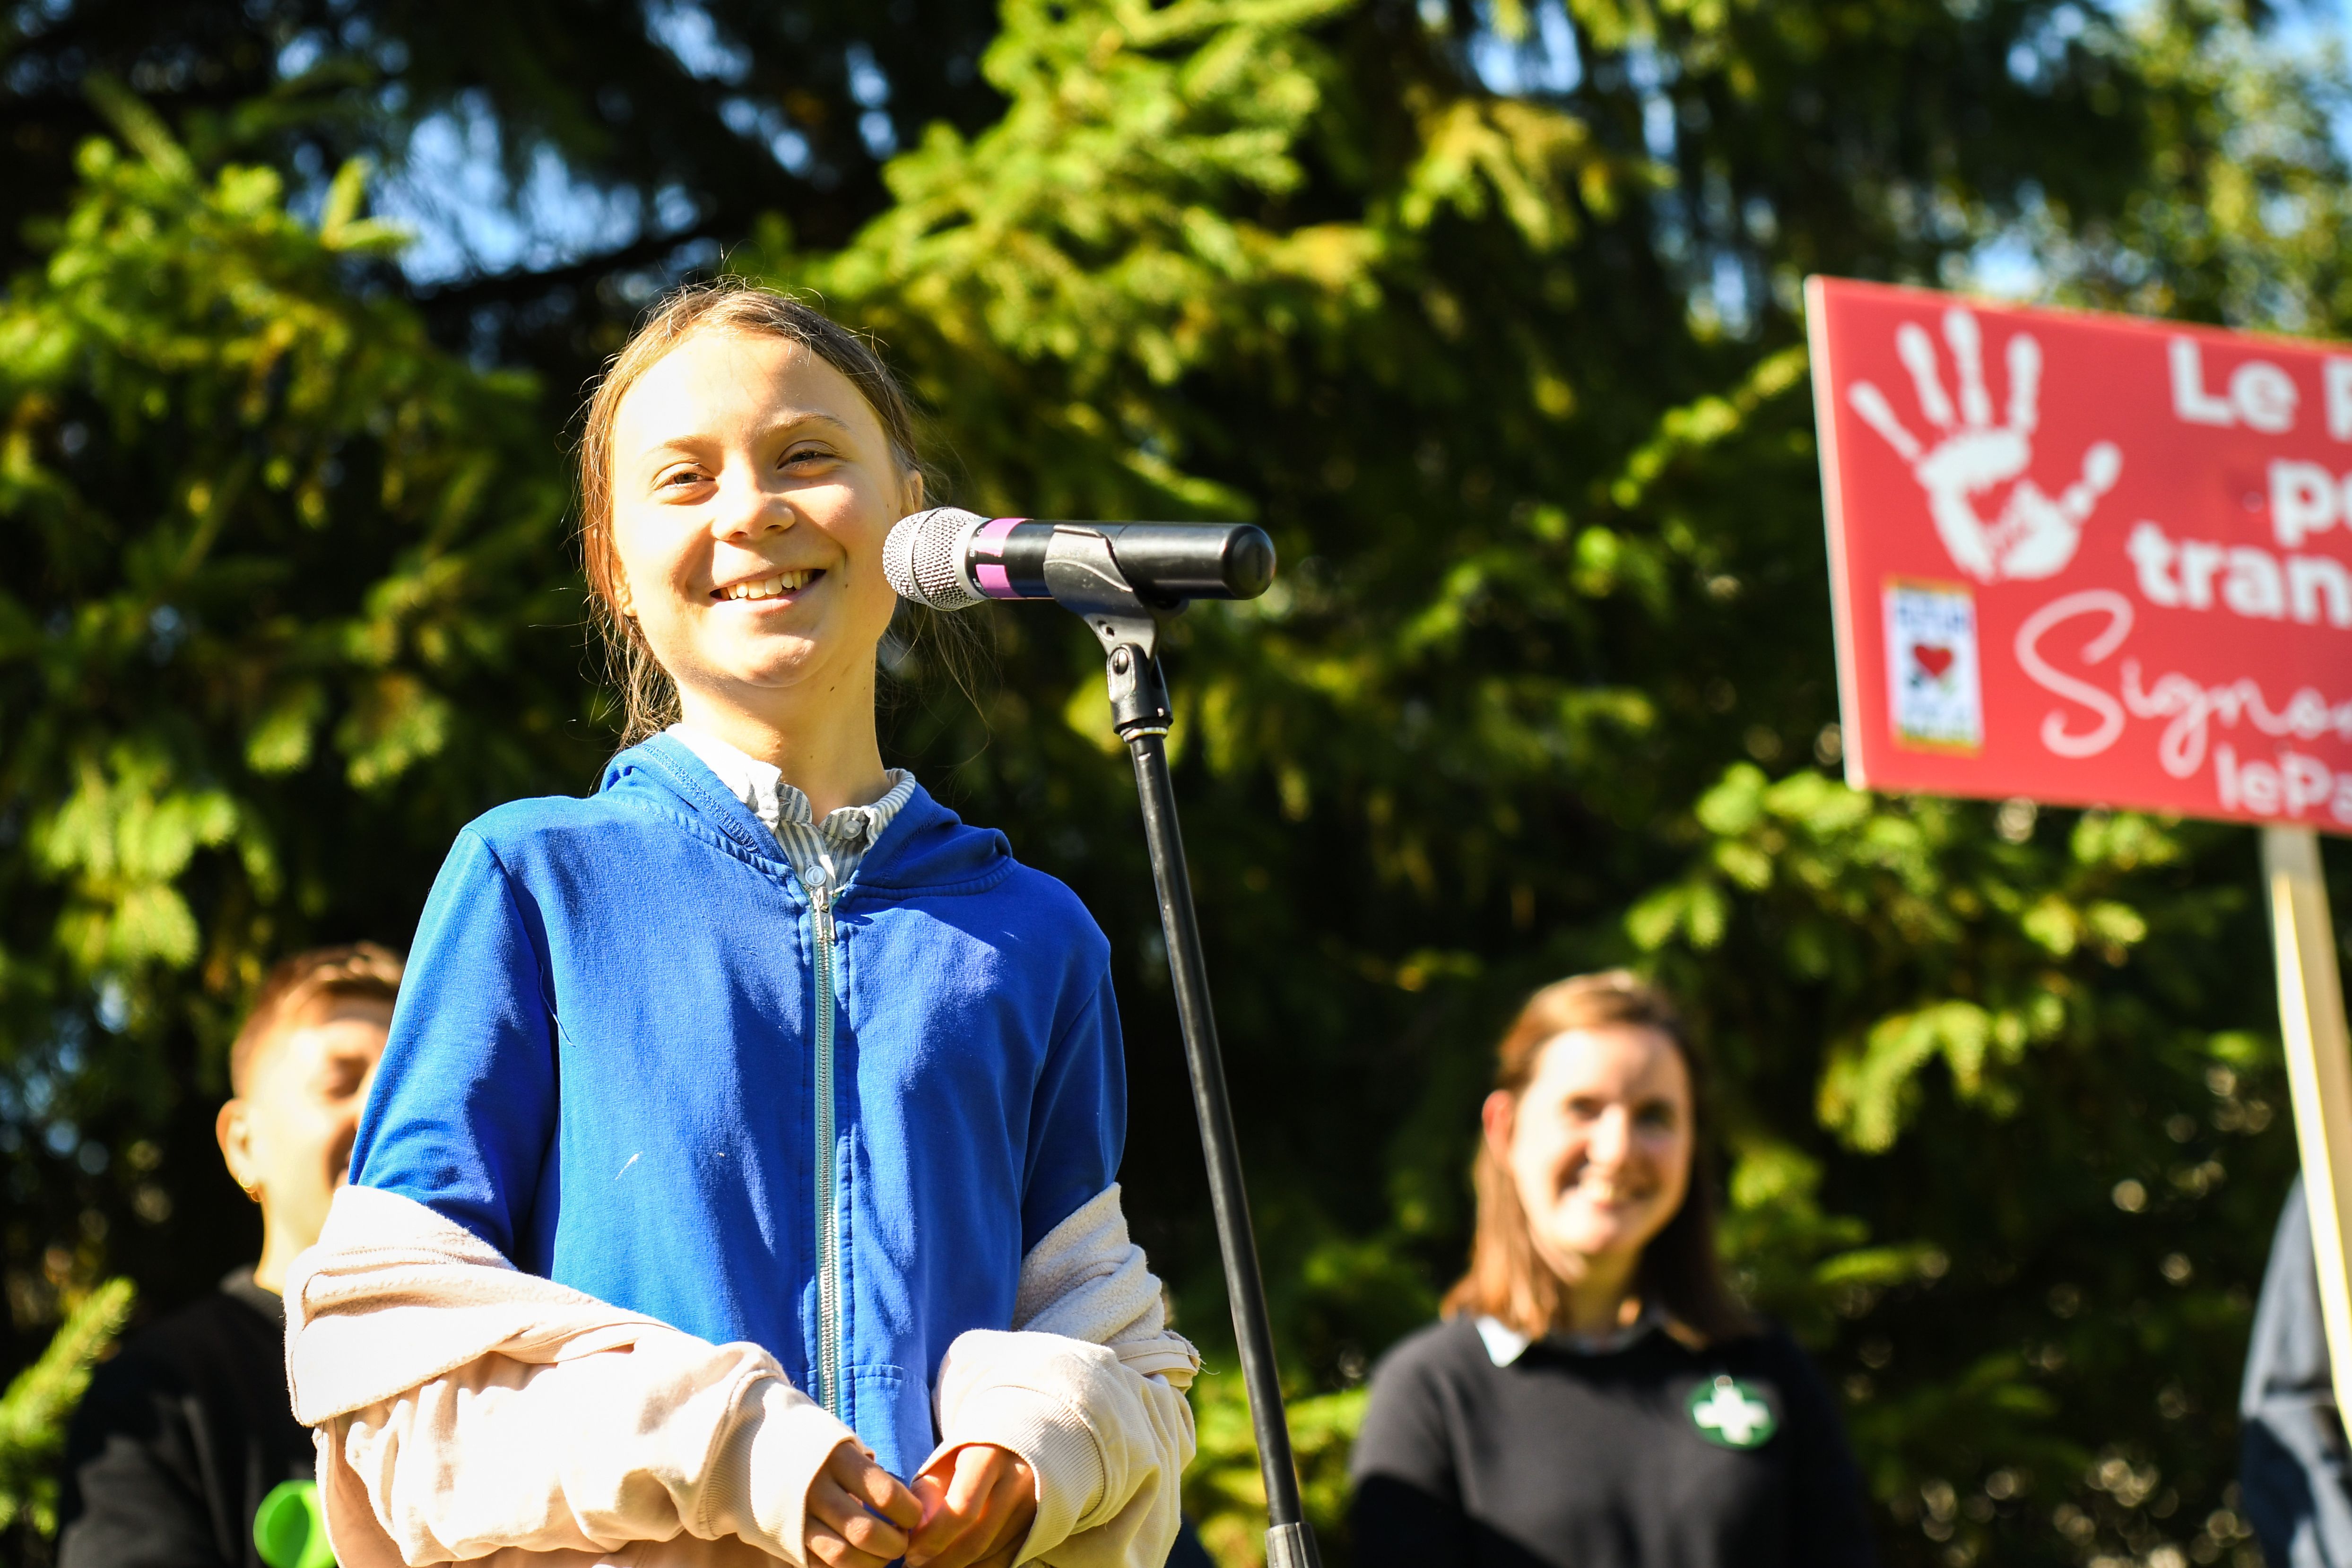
[{"x": 949, "y": 558}]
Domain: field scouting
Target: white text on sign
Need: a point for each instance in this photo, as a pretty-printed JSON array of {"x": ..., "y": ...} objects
[{"x": 2258, "y": 395}]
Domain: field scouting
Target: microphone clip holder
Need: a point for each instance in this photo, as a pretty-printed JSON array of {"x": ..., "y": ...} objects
[{"x": 1085, "y": 577}]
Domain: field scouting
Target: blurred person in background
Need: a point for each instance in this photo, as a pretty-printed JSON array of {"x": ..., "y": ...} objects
[
  {"x": 2295, "y": 1475},
  {"x": 184, "y": 1433},
  {"x": 1593, "y": 1395}
]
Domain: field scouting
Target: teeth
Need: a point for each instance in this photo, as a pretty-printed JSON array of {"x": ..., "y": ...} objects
[{"x": 769, "y": 587}]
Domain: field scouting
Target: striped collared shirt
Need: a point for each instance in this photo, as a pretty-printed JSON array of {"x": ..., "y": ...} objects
[{"x": 838, "y": 843}]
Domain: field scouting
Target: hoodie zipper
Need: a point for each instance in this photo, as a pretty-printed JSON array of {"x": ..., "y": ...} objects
[{"x": 828, "y": 1230}]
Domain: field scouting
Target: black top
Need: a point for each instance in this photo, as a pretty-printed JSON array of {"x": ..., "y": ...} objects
[
  {"x": 1653, "y": 1456},
  {"x": 181, "y": 1437}
]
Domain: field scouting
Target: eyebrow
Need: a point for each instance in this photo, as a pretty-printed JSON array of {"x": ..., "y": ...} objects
[{"x": 686, "y": 444}]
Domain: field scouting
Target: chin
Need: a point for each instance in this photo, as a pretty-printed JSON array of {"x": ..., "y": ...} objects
[
  {"x": 776, "y": 666},
  {"x": 1593, "y": 1244},
  {"x": 1596, "y": 1238},
  {"x": 761, "y": 647}
]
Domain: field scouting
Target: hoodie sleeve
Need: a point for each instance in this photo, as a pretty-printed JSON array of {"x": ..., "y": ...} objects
[
  {"x": 1077, "y": 1124},
  {"x": 688, "y": 1438},
  {"x": 1088, "y": 1389},
  {"x": 462, "y": 1117},
  {"x": 463, "y": 1408}
]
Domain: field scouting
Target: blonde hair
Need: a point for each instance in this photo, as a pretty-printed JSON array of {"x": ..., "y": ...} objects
[
  {"x": 1508, "y": 1278},
  {"x": 298, "y": 987},
  {"x": 730, "y": 304}
]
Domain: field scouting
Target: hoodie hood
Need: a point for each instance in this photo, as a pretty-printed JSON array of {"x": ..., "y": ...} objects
[{"x": 927, "y": 848}]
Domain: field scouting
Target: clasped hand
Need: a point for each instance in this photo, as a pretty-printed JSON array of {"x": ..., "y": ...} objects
[{"x": 969, "y": 1508}]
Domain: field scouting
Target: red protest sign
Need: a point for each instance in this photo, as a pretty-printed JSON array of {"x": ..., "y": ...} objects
[{"x": 2088, "y": 559}]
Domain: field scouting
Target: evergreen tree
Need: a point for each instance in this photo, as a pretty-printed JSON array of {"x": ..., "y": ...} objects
[{"x": 684, "y": 120}]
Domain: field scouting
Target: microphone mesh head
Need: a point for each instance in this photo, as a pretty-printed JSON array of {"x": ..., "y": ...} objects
[{"x": 922, "y": 558}]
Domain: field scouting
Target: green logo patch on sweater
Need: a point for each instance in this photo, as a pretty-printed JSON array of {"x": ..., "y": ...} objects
[{"x": 1732, "y": 1415}]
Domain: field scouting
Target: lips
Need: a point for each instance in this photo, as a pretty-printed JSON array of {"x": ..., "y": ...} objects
[
  {"x": 1602, "y": 1193},
  {"x": 775, "y": 586}
]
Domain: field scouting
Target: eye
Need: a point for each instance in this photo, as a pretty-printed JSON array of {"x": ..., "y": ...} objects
[
  {"x": 1658, "y": 1115},
  {"x": 680, "y": 475},
  {"x": 805, "y": 456}
]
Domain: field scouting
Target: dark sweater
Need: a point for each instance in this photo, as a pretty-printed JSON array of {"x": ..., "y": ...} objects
[
  {"x": 181, "y": 1437},
  {"x": 1639, "y": 1457}
]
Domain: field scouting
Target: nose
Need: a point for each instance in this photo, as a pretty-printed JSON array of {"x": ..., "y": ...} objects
[
  {"x": 745, "y": 509},
  {"x": 1610, "y": 1140}
]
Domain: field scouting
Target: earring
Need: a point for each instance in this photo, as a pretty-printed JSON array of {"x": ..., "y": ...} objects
[{"x": 252, "y": 1190}]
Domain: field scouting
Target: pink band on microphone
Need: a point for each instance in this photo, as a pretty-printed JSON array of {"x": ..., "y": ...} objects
[
  {"x": 990, "y": 540},
  {"x": 989, "y": 577}
]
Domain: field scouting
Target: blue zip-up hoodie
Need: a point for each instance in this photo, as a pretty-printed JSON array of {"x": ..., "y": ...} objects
[{"x": 605, "y": 1058}]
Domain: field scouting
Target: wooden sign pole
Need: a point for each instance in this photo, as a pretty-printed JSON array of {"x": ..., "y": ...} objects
[{"x": 2319, "y": 1072}]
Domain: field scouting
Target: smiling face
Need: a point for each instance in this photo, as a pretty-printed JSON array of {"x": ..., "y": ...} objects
[
  {"x": 752, "y": 485},
  {"x": 1598, "y": 1145}
]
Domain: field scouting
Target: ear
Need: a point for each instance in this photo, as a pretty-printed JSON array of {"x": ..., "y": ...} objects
[
  {"x": 911, "y": 490},
  {"x": 1499, "y": 1116},
  {"x": 234, "y": 1130}
]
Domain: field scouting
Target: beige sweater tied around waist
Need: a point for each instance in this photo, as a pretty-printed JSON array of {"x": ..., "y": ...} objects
[{"x": 467, "y": 1411}]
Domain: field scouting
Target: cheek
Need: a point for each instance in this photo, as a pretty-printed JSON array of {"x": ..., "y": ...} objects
[
  {"x": 1541, "y": 1153},
  {"x": 646, "y": 557},
  {"x": 1669, "y": 1153},
  {"x": 861, "y": 520}
]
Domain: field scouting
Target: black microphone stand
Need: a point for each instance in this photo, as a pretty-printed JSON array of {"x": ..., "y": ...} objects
[{"x": 1085, "y": 577}]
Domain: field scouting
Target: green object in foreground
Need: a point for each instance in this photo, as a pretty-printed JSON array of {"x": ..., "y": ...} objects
[{"x": 290, "y": 1528}]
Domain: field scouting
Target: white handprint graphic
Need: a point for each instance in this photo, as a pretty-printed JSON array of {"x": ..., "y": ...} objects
[{"x": 2035, "y": 534}]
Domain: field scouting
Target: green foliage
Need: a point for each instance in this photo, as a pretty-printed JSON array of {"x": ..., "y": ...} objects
[
  {"x": 273, "y": 556},
  {"x": 280, "y": 424},
  {"x": 688, "y": 118},
  {"x": 1910, "y": 899},
  {"x": 41, "y": 1398},
  {"x": 1516, "y": 383},
  {"x": 1225, "y": 1489}
]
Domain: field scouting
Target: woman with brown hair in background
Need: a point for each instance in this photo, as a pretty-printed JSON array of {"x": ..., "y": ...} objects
[{"x": 1593, "y": 1395}]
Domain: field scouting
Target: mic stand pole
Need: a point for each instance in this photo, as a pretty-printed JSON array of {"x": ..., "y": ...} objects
[{"x": 1085, "y": 577}]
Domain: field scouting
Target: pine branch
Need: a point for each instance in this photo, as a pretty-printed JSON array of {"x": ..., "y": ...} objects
[{"x": 34, "y": 1412}]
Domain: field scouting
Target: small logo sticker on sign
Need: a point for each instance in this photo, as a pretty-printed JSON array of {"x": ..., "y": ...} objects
[
  {"x": 1732, "y": 1415},
  {"x": 1931, "y": 658}
]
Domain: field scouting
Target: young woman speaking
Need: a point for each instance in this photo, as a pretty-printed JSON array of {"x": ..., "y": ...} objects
[
  {"x": 738, "y": 1183},
  {"x": 1594, "y": 1399}
]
